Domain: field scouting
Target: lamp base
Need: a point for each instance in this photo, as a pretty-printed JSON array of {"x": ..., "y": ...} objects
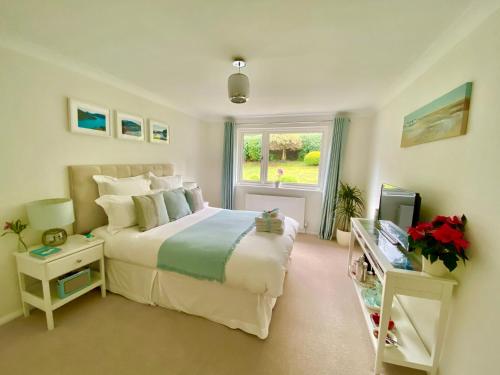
[{"x": 54, "y": 237}]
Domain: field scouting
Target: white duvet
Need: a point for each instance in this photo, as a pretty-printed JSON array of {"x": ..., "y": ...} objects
[{"x": 258, "y": 263}]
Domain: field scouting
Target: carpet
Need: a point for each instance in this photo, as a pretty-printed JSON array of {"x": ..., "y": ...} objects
[{"x": 317, "y": 328}]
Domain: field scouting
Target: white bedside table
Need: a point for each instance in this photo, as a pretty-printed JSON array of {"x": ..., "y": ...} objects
[{"x": 75, "y": 253}]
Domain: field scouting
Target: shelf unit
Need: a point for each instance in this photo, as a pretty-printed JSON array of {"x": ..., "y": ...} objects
[
  {"x": 34, "y": 294},
  {"x": 400, "y": 274}
]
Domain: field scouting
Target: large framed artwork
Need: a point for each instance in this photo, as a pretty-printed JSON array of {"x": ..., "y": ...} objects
[
  {"x": 445, "y": 117},
  {"x": 158, "y": 132},
  {"x": 89, "y": 119},
  {"x": 129, "y": 126}
]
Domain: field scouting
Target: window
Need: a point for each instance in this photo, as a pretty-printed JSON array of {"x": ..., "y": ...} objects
[
  {"x": 252, "y": 150},
  {"x": 292, "y": 156}
]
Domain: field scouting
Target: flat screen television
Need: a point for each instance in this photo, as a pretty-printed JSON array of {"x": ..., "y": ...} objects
[{"x": 400, "y": 206}]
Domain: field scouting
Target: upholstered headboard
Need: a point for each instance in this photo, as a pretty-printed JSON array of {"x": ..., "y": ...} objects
[{"x": 83, "y": 189}]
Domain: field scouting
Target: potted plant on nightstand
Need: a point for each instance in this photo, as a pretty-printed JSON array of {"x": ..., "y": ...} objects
[
  {"x": 349, "y": 204},
  {"x": 16, "y": 227}
]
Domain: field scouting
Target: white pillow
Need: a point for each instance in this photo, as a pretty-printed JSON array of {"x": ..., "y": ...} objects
[
  {"x": 120, "y": 211},
  {"x": 108, "y": 185},
  {"x": 189, "y": 185},
  {"x": 165, "y": 182}
]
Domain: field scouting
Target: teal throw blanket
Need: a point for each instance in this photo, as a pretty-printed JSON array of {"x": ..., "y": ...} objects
[{"x": 202, "y": 250}]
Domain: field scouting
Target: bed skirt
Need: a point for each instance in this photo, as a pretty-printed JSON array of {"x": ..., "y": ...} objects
[{"x": 234, "y": 308}]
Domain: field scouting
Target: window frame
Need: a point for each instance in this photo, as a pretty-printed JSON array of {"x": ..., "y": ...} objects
[{"x": 264, "y": 162}]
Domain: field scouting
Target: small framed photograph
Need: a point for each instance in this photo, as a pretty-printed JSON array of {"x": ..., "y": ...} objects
[
  {"x": 89, "y": 119},
  {"x": 129, "y": 126},
  {"x": 158, "y": 132}
]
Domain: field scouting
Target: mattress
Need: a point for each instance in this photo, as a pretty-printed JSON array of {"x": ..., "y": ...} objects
[{"x": 258, "y": 264}]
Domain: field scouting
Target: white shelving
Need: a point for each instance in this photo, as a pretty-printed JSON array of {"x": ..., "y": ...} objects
[
  {"x": 411, "y": 351},
  {"x": 34, "y": 294},
  {"x": 399, "y": 273}
]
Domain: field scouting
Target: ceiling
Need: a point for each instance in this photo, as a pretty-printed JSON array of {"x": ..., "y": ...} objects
[{"x": 303, "y": 56}]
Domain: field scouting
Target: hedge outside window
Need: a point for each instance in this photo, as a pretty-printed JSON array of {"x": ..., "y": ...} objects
[{"x": 291, "y": 156}]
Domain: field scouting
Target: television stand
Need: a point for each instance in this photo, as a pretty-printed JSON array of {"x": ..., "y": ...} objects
[{"x": 400, "y": 274}]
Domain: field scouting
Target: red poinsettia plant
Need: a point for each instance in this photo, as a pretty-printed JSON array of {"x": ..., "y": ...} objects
[{"x": 442, "y": 238}]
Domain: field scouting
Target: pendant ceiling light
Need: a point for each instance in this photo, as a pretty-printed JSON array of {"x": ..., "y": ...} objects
[{"x": 238, "y": 86}]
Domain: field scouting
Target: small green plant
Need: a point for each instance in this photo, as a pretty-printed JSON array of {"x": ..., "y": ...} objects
[
  {"x": 349, "y": 204},
  {"x": 312, "y": 158}
]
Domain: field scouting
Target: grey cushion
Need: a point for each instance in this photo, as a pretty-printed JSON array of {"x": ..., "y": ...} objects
[
  {"x": 194, "y": 198},
  {"x": 177, "y": 205},
  {"x": 150, "y": 211}
]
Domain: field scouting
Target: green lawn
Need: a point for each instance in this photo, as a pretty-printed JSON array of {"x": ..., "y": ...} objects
[{"x": 295, "y": 172}]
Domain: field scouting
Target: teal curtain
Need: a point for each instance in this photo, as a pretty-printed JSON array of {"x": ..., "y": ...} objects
[
  {"x": 326, "y": 231},
  {"x": 228, "y": 166}
]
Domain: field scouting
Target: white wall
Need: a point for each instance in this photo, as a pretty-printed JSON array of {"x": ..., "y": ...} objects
[
  {"x": 36, "y": 145},
  {"x": 357, "y": 152},
  {"x": 211, "y": 173},
  {"x": 455, "y": 176},
  {"x": 355, "y": 164}
]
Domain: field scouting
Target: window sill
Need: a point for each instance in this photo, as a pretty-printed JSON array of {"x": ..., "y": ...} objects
[{"x": 282, "y": 187}]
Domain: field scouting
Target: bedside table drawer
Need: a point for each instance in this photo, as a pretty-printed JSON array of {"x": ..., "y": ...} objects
[{"x": 63, "y": 265}]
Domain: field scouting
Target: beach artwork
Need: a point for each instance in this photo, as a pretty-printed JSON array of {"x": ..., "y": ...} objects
[
  {"x": 89, "y": 119},
  {"x": 129, "y": 127},
  {"x": 445, "y": 117},
  {"x": 158, "y": 132}
]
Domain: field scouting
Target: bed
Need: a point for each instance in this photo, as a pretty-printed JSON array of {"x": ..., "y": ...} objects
[{"x": 255, "y": 272}]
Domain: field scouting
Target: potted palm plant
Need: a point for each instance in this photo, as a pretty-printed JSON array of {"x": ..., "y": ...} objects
[{"x": 349, "y": 204}]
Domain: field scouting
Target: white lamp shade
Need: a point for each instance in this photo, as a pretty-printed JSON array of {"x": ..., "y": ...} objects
[
  {"x": 50, "y": 213},
  {"x": 238, "y": 88}
]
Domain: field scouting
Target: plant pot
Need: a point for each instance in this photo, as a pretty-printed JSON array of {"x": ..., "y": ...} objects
[
  {"x": 277, "y": 184},
  {"x": 435, "y": 269},
  {"x": 343, "y": 238}
]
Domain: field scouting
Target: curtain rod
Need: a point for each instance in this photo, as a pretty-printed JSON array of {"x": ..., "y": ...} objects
[{"x": 286, "y": 122}]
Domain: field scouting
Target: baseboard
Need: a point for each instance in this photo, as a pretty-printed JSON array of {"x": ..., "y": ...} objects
[
  {"x": 311, "y": 231},
  {"x": 13, "y": 315}
]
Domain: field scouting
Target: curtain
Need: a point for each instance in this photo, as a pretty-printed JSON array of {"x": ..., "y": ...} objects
[
  {"x": 228, "y": 166},
  {"x": 332, "y": 179}
]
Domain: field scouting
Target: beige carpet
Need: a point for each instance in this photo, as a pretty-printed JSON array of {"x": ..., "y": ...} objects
[{"x": 317, "y": 328}]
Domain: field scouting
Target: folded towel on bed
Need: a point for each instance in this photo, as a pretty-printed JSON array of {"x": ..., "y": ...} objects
[{"x": 270, "y": 221}]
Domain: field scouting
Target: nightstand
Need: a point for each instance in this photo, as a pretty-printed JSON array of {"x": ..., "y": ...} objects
[{"x": 41, "y": 293}]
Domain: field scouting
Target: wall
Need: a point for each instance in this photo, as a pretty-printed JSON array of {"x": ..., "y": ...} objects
[
  {"x": 454, "y": 176},
  {"x": 36, "y": 146},
  {"x": 212, "y": 171},
  {"x": 357, "y": 151},
  {"x": 354, "y": 166}
]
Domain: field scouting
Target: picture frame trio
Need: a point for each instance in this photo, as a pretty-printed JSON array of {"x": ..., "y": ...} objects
[{"x": 94, "y": 120}]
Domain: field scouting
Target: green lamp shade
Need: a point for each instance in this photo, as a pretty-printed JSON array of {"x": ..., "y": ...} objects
[{"x": 50, "y": 213}]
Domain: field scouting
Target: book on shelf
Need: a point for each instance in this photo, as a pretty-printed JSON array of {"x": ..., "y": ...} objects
[{"x": 44, "y": 252}]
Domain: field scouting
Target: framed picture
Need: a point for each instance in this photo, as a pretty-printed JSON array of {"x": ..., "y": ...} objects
[
  {"x": 89, "y": 119},
  {"x": 158, "y": 132},
  {"x": 129, "y": 126},
  {"x": 445, "y": 117}
]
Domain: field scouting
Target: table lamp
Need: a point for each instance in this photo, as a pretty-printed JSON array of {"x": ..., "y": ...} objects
[{"x": 50, "y": 215}]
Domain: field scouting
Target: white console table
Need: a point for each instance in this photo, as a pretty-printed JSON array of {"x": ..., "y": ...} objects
[{"x": 400, "y": 274}]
